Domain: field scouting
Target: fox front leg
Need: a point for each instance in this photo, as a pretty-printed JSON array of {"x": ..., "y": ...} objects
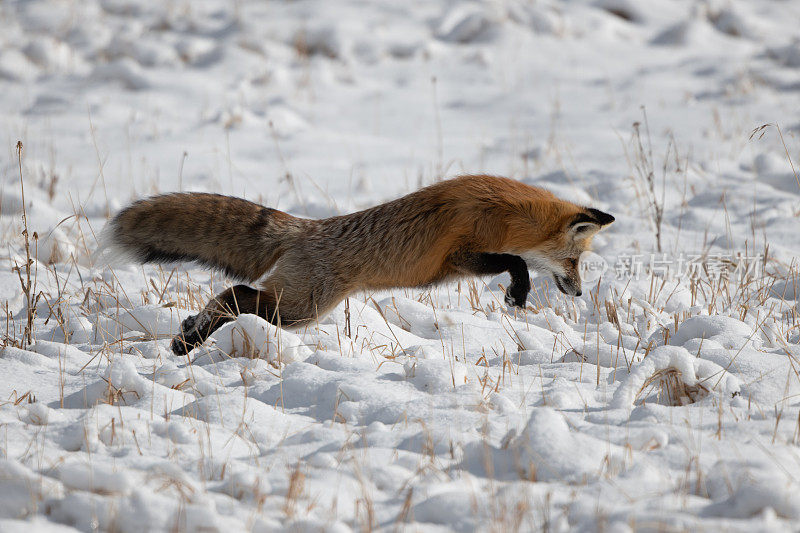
[{"x": 481, "y": 263}]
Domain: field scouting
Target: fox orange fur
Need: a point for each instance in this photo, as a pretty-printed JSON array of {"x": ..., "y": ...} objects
[{"x": 469, "y": 225}]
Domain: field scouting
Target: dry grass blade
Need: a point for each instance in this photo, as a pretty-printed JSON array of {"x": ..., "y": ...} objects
[
  {"x": 762, "y": 130},
  {"x": 611, "y": 313},
  {"x": 297, "y": 481}
]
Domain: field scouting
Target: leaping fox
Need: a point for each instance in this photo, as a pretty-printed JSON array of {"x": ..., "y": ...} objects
[{"x": 469, "y": 225}]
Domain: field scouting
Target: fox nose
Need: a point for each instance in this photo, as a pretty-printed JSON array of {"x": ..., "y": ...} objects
[{"x": 578, "y": 293}]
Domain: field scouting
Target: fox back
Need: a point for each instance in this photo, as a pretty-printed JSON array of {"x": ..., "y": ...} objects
[{"x": 408, "y": 242}]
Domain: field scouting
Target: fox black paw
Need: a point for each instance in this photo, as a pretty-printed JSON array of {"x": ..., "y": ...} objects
[
  {"x": 516, "y": 297},
  {"x": 188, "y": 338},
  {"x": 185, "y": 343}
]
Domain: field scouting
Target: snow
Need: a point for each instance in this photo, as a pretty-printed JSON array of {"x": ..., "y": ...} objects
[
  {"x": 253, "y": 337},
  {"x": 665, "y": 397},
  {"x": 723, "y": 329}
]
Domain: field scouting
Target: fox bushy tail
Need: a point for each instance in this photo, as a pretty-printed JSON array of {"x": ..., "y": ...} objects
[{"x": 239, "y": 237}]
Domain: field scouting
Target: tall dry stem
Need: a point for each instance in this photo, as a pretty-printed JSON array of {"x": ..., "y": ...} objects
[
  {"x": 644, "y": 168},
  {"x": 27, "y": 337},
  {"x": 761, "y": 130}
]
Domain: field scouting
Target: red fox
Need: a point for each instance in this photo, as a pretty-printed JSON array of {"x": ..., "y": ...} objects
[{"x": 469, "y": 225}]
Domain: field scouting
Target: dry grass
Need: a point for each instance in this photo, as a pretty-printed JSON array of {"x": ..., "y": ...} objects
[
  {"x": 759, "y": 133},
  {"x": 27, "y": 290},
  {"x": 295, "y": 491},
  {"x": 643, "y": 163},
  {"x": 670, "y": 388}
]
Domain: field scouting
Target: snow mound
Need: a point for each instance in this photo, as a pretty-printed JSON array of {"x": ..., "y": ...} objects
[
  {"x": 247, "y": 417},
  {"x": 464, "y": 23},
  {"x": 624, "y": 9},
  {"x": 69, "y": 328},
  {"x": 54, "y": 247},
  {"x": 253, "y": 337},
  {"x": 24, "y": 489},
  {"x": 121, "y": 384},
  {"x": 410, "y": 315},
  {"x": 324, "y": 40},
  {"x": 94, "y": 478},
  {"x": 727, "y": 331},
  {"x": 786, "y": 289},
  {"x": 598, "y": 353},
  {"x": 16, "y": 67},
  {"x": 697, "y": 376},
  {"x": 788, "y": 55},
  {"x": 695, "y": 30},
  {"x": 730, "y": 21},
  {"x": 245, "y": 485},
  {"x": 769, "y": 163},
  {"x": 436, "y": 376},
  {"x": 549, "y": 450},
  {"x": 751, "y": 487},
  {"x": 453, "y": 508},
  {"x": 125, "y": 71}
]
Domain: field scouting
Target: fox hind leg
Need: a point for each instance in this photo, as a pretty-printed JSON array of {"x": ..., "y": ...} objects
[
  {"x": 220, "y": 310},
  {"x": 283, "y": 302}
]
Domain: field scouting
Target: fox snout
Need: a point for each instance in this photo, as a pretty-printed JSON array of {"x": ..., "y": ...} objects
[{"x": 568, "y": 285}]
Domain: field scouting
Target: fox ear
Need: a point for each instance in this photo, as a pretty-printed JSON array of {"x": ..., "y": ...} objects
[
  {"x": 588, "y": 223},
  {"x": 604, "y": 219}
]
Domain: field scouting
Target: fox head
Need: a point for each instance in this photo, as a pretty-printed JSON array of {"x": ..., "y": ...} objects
[
  {"x": 559, "y": 252},
  {"x": 512, "y": 217}
]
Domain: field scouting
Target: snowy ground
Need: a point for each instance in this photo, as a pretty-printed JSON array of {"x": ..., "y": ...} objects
[{"x": 666, "y": 398}]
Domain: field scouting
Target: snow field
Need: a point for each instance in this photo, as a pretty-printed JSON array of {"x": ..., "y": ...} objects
[{"x": 660, "y": 399}]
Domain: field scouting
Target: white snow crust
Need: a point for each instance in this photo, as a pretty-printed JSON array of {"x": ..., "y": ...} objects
[{"x": 407, "y": 410}]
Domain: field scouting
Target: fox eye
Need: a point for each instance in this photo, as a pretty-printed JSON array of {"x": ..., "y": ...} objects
[{"x": 573, "y": 263}]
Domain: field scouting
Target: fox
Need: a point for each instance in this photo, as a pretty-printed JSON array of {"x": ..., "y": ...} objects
[{"x": 292, "y": 271}]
